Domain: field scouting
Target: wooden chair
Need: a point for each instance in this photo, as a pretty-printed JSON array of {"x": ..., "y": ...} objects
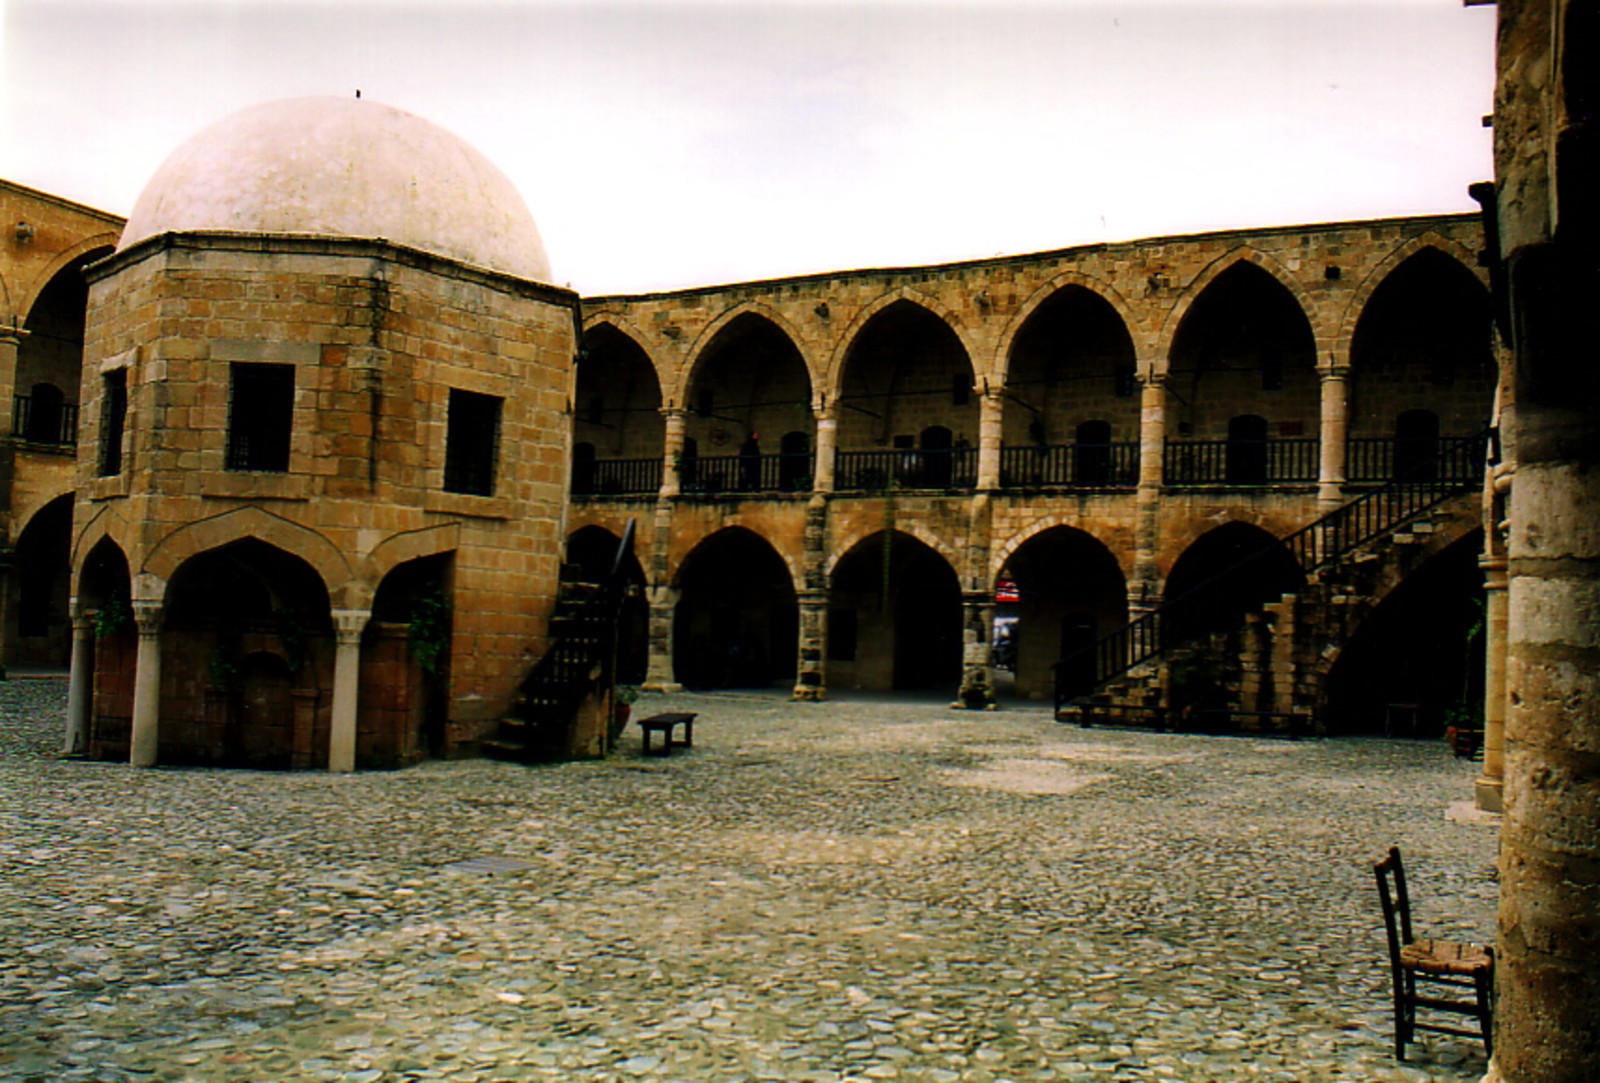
[{"x": 1441, "y": 962}]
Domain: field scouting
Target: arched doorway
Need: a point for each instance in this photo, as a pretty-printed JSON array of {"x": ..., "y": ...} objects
[
  {"x": 1070, "y": 592},
  {"x": 41, "y": 630},
  {"x": 737, "y": 621},
  {"x": 405, "y": 665},
  {"x": 222, "y": 702},
  {"x": 1434, "y": 620},
  {"x": 617, "y": 417},
  {"x": 593, "y": 551},
  {"x": 894, "y": 617},
  {"x": 104, "y": 591}
]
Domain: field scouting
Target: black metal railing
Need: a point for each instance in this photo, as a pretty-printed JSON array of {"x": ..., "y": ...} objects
[
  {"x": 1070, "y": 466},
  {"x": 906, "y": 468},
  {"x": 780, "y": 472},
  {"x": 45, "y": 421},
  {"x": 1377, "y": 459},
  {"x": 1283, "y": 461},
  {"x": 616, "y": 477},
  {"x": 1315, "y": 546}
]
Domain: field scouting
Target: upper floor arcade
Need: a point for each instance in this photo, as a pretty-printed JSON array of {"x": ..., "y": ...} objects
[{"x": 1322, "y": 356}]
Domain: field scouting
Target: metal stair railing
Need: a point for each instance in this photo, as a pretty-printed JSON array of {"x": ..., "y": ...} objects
[{"x": 1315, "y": 546}]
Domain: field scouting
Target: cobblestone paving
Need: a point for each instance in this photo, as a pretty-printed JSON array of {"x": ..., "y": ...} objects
[{"x": 815, "y": 893}]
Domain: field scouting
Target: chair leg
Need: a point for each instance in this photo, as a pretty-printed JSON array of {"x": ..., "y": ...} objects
[{"x": 1485, "y": 991}]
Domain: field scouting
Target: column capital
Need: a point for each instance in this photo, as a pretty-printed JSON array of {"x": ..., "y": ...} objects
[
  {"x": 674, "y": 413},
  {"x": 348, "y": 624},
  {"x": 1333, "y": 372},
  {"x": 12, "y": 335},
  {"x": 1150, "y": 376},
  {"x": 147, "y": 616}
]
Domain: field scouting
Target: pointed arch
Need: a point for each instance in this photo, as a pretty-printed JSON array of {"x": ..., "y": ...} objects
[
  {"x": 1162, "y": 351},
  {"x": 105, "y": 521},
  {"x": 950, "y": 551},
  {"x": 833, "y": 372},
  {"x": 168, "y": 554},
  {"x": 999, "y": 363},
  {"x": 1000, "y": 553},
  {"x": 397, "y": 549},
  {"x": 792, "y": 562},
  {"x": 37, "y": 502},
  {"x": 696, "y": 353},
  {"x": 29, "y": 294},
  {"x": 1345, "y": 336},
  {"x": 648, "y": 345}
]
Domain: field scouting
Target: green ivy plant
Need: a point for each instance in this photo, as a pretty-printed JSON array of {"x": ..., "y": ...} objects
[
  {"x": 429, "y": 639},
  {"x": 113, "y": 616}
]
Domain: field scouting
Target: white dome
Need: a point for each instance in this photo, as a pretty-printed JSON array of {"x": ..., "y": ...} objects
[{"x": 343, "y": 167}]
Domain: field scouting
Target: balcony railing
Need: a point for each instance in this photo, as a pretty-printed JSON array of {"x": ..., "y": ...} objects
[
  {"x": 616, "y": 477},
  {"x": 43, "y": 421},
  {"x": 1070, "y": 466},
  {"x": 1452, "y": 459},
  {"x": 1241, "y": 462},
  {"x": 773, "y": 473},
  {"x": 906, "y": 468}
]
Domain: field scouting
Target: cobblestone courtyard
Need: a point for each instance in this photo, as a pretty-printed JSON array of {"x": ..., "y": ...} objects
[{"x": 818, "y": 892}]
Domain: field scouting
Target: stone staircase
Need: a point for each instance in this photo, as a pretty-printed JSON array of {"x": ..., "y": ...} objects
[{"x": 1265, "y": 673}]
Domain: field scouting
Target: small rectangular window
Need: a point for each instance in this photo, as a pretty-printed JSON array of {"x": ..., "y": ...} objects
[
  {"x": 260, "y": 416},
  {"x": 472, "y": 437},
  {"x": 113, "y": 421}
]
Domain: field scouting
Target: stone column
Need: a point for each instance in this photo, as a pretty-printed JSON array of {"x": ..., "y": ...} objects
[
  {"x": 658, "y": 674},
  {"x": 977, "y": 673},
  {"x": 1143, "y": 587},
  {"x": 10, "y": 345},
  {"x": 811, "y": 677},
  {"x": 80, "y": 689},
  {"x": 671, "y": 475},
  {"x": 348, "y": 625},
  {"x": 827, "y": 448},
  {"x": 1490, "y": 789},
  {"x": 1333, "y": 436},
  {"x": 144, "y": 742},
  {"x": 991, "y": 418}
]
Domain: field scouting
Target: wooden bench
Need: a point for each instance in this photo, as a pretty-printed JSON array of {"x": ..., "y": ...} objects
[{"x": 665, "y": 724}]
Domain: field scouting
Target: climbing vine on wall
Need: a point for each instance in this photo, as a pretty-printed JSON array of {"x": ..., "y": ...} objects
[{"x": 429, "y": 640}]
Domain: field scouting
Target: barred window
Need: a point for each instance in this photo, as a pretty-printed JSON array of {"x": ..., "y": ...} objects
[
  {"x": 260, "y": 416},
  {"x": 472, "y": 438},
  {"x": 113, "y": 421}
]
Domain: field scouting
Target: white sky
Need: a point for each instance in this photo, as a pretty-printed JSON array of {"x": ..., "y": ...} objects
[{"x": 662, "y": 144}]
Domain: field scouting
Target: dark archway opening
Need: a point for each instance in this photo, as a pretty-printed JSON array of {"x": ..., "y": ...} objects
[
  {"x": 617, "y": 397},
  {"x": 1072, "y": 362},
  {"x": 737, "y": 621},
  {"x": 1416, "y": 663},
  {"x": 1224, "y": 574},
  {"x": 750, "y": 384},
  {"x": 41, "y": 574},
  {"x": 1070, "y": 591},
  {"x": 900, "y": 611},
  {"x": 50, "y": 358},
  {"x": 220, "y": 701},
  {"x": 104, "y": 591}
]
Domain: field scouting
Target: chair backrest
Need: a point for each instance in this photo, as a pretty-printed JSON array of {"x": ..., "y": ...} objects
[{"x": 1391, "y": 875}]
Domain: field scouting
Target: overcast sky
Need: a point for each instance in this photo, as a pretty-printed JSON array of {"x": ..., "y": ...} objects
[{"x": 662, "y": 144}]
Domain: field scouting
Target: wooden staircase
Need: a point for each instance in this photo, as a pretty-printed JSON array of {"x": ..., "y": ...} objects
[{"x": 579, "y": 664}]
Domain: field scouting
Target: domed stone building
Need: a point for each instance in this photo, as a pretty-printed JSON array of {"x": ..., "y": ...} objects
[{"x": 322, "y": 470}]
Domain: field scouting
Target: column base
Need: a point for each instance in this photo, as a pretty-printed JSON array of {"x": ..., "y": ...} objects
[
  {"x": 808, "y": 693},
  {"x": 667, "y": 687},
  {"x": 1490, "y": 794}
]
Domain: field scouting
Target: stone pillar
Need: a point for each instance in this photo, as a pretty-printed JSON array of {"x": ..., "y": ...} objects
[
  {"x": 1143, "y": 587},
  {"x": 671, "y": 475},
  {"x": 977, "y": 673},
  {"x": 991, "y": 418},
  {"x": 1490, "y": 789},
  {"x": 663, "y": 608},
  {"x": 10, "y": 345},
  {"x": 145, "y": 739},
  {"x": 827, "y": 448},
  {"x": 348, "y": 624},
  {"x": 1333, "y": 436},
  {"x": 811, "y": 679},
  {"x": 80, "y": 689}
]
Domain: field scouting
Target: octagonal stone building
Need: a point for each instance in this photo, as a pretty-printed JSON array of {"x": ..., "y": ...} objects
[{"x": 323, "y": 481}]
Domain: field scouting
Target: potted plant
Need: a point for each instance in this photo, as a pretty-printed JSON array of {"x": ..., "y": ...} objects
[{"x": 622, "y": 701}]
